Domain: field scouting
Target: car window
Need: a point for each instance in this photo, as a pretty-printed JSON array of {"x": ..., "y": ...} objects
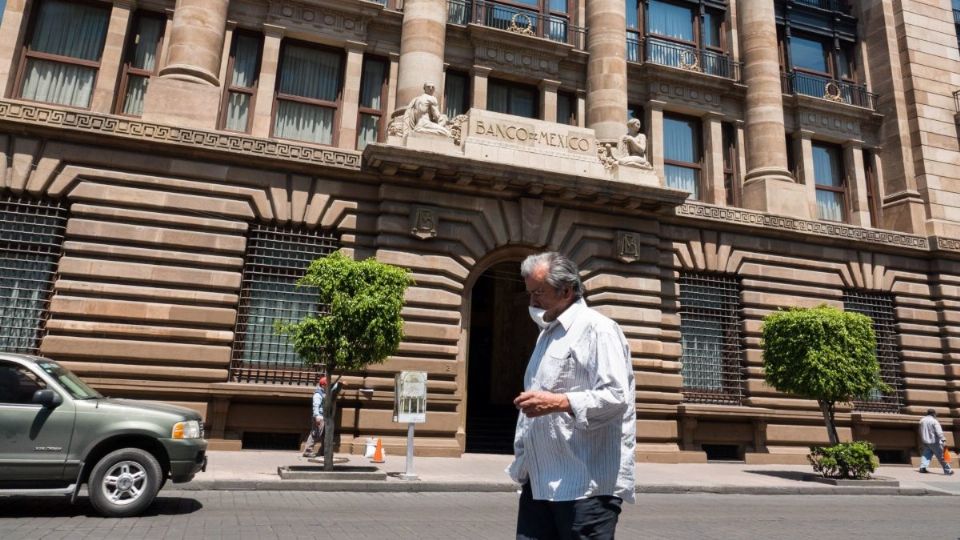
[
  {"x": 77, "y": 388},
  {"x": 17, "y": 384}
]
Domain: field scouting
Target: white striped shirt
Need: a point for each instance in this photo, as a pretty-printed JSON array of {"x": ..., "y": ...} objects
[{"x": 566, "y": 457}]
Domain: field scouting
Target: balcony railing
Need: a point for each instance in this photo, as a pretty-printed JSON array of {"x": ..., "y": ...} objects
[
  {"x": 829, "y": 89},
  {"x": 515, "y": 19},
  {"x": 831, "y": 5},
  {"x": 665, "y": 53}
]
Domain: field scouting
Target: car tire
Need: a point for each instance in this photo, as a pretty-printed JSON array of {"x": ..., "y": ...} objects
[{"x": 124, "y": 482}]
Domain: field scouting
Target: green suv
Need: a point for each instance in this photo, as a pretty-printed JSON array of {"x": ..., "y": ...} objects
[{"x": 56, "y": 434}]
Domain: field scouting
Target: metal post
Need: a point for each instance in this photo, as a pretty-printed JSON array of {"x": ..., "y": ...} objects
[{"x": 409, "y": 474}]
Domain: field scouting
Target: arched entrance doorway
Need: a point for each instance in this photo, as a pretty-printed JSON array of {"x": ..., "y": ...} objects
[{"x": 502, "y": 336}]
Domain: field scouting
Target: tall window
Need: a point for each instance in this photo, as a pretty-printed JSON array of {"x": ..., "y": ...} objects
[
  {"x": 682, "y": 153},
  {"x": 710, "y": 338},
  {"x": 730, "y": 185},
  {"x": 829, "y": 177},
  {"x": 955, "y": 4},
  {"x": 873, "y": 187},
  {"x": 60, "y": 60},
  {"x": 544, "y": 18},
  {"x": 143, "y": 46},
  {"x": 31, "y": 235},
  {"x": 456, "y": 94},
  {"x": 373, "y": 93},
  {"x": 276, "y": 258},
  {"x": 686, "y": 34},
  {"x": 567, "y": 108},
  {"x": 511, "y": 98},
  {"x": 243, "y": 72},
  {"x": 882, "y": 311},
  {"x": 308, "y": 93}
]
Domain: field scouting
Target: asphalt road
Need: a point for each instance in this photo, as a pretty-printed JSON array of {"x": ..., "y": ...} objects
[{"x": 379, "y": 516}]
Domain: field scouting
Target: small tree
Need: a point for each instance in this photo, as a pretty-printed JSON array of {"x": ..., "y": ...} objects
[
  {"x": 821, "y": 353},
  {"x": 359, "y": 323}
]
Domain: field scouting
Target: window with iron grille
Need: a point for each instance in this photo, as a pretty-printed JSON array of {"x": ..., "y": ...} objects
[
  {"x": 710, "y": 337},
  {"x": 276, "y": 258},
  {"x": 880, "y": 308},
  {"x": 31, "y": 237}
]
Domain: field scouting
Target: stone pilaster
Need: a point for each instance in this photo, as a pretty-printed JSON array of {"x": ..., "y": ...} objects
[
  {"x": 713, "y": 189},
  {"x": 392, "y": 82},
  {"x": 803, "y": 151},
  {"x": 104, "y": 92},
  {"x": 607, "y": 68},
  {"x": 548, "y": 99},
  {"x": 187, "y": 92},
  {"x": 11, "y": 36},
  {"x": 480, "y": 77},
  {"x": 768, "y": 185},
  {"x": 269, "y": 64},
  {"x": 421, "y": 47},
  {"x": 857, "y": 183},
  {"x": 654, "y": 128},
  {"x": 349, "y": 109}
]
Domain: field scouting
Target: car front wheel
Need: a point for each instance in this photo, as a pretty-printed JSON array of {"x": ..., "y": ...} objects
[{"x": 124, "y": 482}]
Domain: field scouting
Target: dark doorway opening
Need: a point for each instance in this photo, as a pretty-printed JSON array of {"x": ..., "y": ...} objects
[{"x": 502, "y": 336}]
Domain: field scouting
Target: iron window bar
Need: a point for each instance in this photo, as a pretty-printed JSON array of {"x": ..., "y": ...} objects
[
  {"x": 710, "y": 321},
  {"x": 881, "y": 310},
  {"x": 276, "y": 258}
]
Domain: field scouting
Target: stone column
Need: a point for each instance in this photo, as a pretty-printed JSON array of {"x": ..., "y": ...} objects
[
  {"x": 607, "y": 68},
  {"x": 266, "y": 87},
  {"x": 349, "y": 108},
  {"x": 187, "y": 92},
  {"x": 654, "y": 127},
  {"x": 12, "y": 30},
  {"x": 856, "y": 178},
  {"x": 548, "y": 100},
  {"x": 713, "y": 190},
  {"x": 104, "y": 92},
  {"x": 421, "y": 47},
  {"x": 480, "y": 74},
  {"x": 768, "y": 185}
]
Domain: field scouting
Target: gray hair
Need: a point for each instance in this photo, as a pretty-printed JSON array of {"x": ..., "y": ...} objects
[{"x": 561, "y": 271}]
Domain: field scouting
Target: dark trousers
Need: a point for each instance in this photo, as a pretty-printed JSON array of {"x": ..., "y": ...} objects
[{"x": 594, "y": 517}]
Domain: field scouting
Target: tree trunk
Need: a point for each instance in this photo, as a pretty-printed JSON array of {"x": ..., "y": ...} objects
[
  {"x": 827, "y": 408},
  {"x": 329, "y": 424}
]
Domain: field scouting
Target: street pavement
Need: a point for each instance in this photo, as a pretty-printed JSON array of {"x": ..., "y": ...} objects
[{"x": 425, "y": 516}]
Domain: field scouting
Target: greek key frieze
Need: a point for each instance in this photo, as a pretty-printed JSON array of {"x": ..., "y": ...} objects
[
  {"x": 820, "y": 228},
  {"x": 129, "y": 128}
]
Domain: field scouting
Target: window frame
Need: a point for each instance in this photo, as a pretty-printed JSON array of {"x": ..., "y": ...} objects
[
  {"x": 511, "y": 86},
  {"x": 126, "y": 70},
  {"x": 380, "y": 113},
  {"x": 571, "y": 97},
  {"x": 728, "y": 139},
  {"x": 468, "y": 89},
  {"x": 26, "y": 54},
  {"x": 698, "y": 149},
  {"x": 337, "y": 105},
  {"x": 228, "y": 87},
  {"x": 841, "y": 189}
]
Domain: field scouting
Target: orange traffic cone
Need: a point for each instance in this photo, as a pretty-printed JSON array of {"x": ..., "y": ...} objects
[{"x": 378, "y": 453}]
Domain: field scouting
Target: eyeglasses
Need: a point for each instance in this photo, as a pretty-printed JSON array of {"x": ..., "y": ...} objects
[{"x": 540, "y": 291}]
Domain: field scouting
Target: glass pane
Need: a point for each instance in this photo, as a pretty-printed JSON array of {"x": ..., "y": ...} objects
[
  {"x": 701, "y": 341},
  {"x": 807, "y": 54},
  {"x": 136, "y": 90},
  {"x": 454, "y": 94},
  {"x": 633, "y": 13},
  {"x": 310, "y": 73},
  {"x": 680, "y": 140},
  {"x": 670, "y": 20},
  {"x": 63, "y": 84},
  {"x": 523, "y": 102},
  {"x": 845, "y": 62},
  {"x": 829, "y": 205},
  {"x": 374, "y": 73},
  {"x": 826, "y": 166},
  {"x": 712, "y": 23},
  {"x": 369, "y": 127},
  {"x": 3, "y": 5},
  {"x": 146, "y": 41},
  {"x": 304, "y": 122},
  {"x": 682, "y": 178},
  {"x": 565, "y": 109},
  {"x": 558, "y": 6},
  {"x": 71, "y": 29},
  {"x": 238, "y": 111},
  {"x": 498, "y": 98},
  {"x": 245, "y": 60}
]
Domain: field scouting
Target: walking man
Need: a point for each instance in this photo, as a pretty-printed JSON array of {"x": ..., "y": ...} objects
[
  {"x": 316, "y": 423},
  {"x": 576, "y": 431},
  {"x": 931, "y": 435}
]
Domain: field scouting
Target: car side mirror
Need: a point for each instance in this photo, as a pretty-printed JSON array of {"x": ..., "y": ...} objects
[{"x": 48, "y": 398}]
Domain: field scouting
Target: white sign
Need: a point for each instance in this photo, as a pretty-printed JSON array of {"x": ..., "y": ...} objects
[{"x": 410, "y": 402}]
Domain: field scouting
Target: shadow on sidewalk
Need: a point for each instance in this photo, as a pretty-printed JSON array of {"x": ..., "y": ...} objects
[
  {"x": 787, "y": 475},
  {"x": 23, "y": 506}
]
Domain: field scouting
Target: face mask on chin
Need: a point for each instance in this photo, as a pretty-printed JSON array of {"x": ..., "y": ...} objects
[{"x": 537, "y": 315}]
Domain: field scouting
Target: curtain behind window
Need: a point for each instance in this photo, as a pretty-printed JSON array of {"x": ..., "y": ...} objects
[
  {"x": 670, "y": 20},
  {"x": 313, "y": 74},
  {"x": 65, "y": 29},
  {"x": 244, "y": 75},
  {"x": 454, "y": 95},
  {"x": 371, "y": 90},
  {"x": 498, "y": 98},
  {"x": 145, "y": 58},
  {"x": 827, "y": 172},
  {"x": 680, "y": 144}
]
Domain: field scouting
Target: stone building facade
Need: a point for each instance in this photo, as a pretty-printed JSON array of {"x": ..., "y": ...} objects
[{"x": 169, "y": 168}]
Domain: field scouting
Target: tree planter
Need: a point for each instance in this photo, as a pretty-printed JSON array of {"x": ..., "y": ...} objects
[
  {"x": 339, "y": 472},
  {"x": 878, "y": 481}
]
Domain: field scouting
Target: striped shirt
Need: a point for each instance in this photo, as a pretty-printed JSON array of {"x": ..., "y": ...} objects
[{"x": 566, "y": 457}]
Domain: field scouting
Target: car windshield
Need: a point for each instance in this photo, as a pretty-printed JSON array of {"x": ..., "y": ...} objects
[{"x": 77, "y": 388}]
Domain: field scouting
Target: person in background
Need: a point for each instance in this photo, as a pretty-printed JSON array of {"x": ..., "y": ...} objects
[
  {"x": 316, "y": 421},
  {"x": 931, "y": 435}
]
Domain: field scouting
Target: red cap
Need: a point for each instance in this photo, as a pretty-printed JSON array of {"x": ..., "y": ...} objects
[{"x": 322, "y": 381}]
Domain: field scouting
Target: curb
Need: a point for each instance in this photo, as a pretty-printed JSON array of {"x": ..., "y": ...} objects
[{"x": 419, "y": 486}]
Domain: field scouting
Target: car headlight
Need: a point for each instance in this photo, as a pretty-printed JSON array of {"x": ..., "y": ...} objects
[{"x": 186, "y": 430}]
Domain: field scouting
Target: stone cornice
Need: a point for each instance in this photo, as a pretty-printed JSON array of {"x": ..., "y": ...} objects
[{"x": 43, "y": 116}]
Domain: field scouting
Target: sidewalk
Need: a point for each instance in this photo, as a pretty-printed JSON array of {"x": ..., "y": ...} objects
[{"x": 257, "y": 470}]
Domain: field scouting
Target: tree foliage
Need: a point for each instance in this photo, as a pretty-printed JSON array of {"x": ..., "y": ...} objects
[
  {"x": 821, "y": 353},
  {"x": 358, "y": 323}
]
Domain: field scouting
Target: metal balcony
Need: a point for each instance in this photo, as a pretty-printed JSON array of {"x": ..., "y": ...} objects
[
  {"x": 515, "y": 19},
  {"x": 828, "y": 89},
  {"x": 666, "y": 53}
]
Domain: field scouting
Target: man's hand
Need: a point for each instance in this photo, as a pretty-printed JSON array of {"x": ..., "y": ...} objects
[{"x": 539, "y": 403}]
